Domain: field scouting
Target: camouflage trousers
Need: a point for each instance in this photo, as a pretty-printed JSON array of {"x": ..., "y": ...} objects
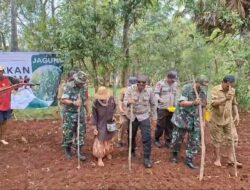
[
  {"x": 70, "y": 130},
  {"x": 193, "y": 140}
]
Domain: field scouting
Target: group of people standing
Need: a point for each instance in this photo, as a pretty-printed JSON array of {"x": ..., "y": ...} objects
[{"x": 171, "y": 111}]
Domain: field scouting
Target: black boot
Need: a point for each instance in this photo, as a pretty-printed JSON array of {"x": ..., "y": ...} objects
[
  {"x": 67, "y": 152},
  {"x": 174, "y": 158},
  {"x": 80, "y": 154},
  {"x": 133, "y": 155},
  {"x": 148, "y": 163},
  {"x": 190, "y": 164}
]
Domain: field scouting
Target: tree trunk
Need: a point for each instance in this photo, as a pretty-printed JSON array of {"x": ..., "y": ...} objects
[
  {"x": 216, "y": 66},
  {"x": 94, "y": 65},
  {"x": 125, "y": 50},
  {"x": 2, "y": 42},
  {"x": 14, "y": 39},
  {"x": 53, "y": 9}
]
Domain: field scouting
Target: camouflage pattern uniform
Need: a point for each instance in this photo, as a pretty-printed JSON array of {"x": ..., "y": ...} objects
[
  {"x": 186, "y": 119},
  {"x": 70, "y": 117}
]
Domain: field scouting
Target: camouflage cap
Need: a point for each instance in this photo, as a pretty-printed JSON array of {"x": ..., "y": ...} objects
[
  {"x": 202, "y": 80},
  {"x": 80, "y": 77},
  {"x": 1, "y": 67}
]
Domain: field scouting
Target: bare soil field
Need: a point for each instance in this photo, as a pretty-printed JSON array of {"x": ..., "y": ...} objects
[{"x": 34, "y": 159}]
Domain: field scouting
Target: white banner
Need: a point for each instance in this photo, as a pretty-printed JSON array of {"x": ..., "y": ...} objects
[{"x": 34, "y": 67}]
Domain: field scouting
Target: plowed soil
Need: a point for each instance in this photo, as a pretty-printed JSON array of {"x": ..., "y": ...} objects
[{"x": 34, "y": 159}]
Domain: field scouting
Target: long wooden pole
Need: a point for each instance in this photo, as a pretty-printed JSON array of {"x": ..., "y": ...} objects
[
  {"x": 10, "y": 88},
  {"x": 229, "y": 107},
  {"x": 78, "y": 135},
  {"x": 130, "y": 138},
  {"x": 203, "y": 147}
]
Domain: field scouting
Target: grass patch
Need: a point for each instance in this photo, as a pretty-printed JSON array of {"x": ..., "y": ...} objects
[{"x": 31, "y": 114}]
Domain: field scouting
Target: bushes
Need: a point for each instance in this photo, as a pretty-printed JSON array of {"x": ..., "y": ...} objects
[{"x": 243, "y": 94}]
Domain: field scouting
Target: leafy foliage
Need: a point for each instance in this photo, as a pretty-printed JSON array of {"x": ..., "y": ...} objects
[{"x": 110, "y": 39}]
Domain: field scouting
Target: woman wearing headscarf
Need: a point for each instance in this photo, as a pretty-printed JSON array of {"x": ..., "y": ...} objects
[{"x": 104, "y": 124}]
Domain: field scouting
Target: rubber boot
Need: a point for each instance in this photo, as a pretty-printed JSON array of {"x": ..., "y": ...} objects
[
  {"x": 174, "y": 158},
  {"x": 190, "y": 164},
  {"x": 67, "y": 152}
]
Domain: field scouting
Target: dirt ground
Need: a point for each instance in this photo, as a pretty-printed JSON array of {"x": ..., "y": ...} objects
[{"x": 39, "y": 163}]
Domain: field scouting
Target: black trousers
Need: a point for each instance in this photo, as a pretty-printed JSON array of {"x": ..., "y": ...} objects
[
  {"x": 145, "y": 133},
  {"x": 164, "y": 125}
]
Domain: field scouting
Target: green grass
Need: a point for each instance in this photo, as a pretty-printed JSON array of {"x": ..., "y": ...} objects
[{"x": 38, "y": 114}]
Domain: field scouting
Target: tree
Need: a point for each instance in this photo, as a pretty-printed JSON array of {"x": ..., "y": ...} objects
[
  {"x": 14, "y": 38},
  {"x": 87, "y": 37},
  {"x": 4, "y": 24},
  {"x": 132, "y": 10}
]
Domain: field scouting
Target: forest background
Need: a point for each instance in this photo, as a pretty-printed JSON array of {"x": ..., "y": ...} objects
[{"x": 113, "y": 39}]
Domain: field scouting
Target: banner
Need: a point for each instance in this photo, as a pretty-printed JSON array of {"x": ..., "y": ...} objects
[{"x": 43, "y": 69}]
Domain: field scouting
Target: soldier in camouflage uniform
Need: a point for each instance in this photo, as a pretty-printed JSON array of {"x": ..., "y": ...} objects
[
  {"x": 60, "y": 90},
  {"x": 186, "y": 120},
  {"x": 74, "y": 96}
]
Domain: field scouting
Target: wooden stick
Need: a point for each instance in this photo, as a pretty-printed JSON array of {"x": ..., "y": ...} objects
[
  {"x": 130, "y": 138},
  {"x": 78, "y": 135},
  {"x": 229, "y": 106},
  {"x": 203, "y": 147},
  {"x": 8, "y": 89}
]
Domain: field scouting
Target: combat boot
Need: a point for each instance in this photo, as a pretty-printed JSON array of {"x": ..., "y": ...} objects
[
  {"x": 190, "y": 164},
  {"x": 67, "y": 152},
  {"x": 80, "y": 154},
  {"x": 147, "y": 163},
  {"x": 174, "y": 158}
]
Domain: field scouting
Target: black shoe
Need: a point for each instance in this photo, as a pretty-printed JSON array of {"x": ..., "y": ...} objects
[
  {"x": 158, "y": 144},
  {"x": 190, "y": 164},
  {"x": 148, "y": 163},
  {"x": 81, "y": 155},
  {"x": 174, "y": 158},
  {"x": 67, "y": 153},
  {"x": 133, "y": 155}
]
